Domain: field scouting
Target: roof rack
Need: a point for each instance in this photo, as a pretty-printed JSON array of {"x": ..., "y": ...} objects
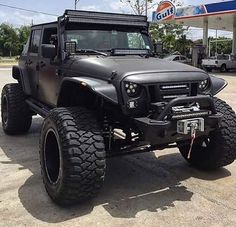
[{"x": 104, "y": 18}]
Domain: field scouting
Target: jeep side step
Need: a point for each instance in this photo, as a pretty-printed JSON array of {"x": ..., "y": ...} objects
[{"x": 38, "y": 107}]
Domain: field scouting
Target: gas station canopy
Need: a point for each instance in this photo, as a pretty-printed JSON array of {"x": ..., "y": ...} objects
[
  {"x": 218, "y": 16},
  {"x": 221, "y": 16}
]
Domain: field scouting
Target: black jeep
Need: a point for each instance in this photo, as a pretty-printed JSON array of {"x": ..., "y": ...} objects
[{"x": 103, "y": 92}]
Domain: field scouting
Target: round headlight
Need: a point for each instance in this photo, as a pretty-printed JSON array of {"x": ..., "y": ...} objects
[
  {"x": 203, "y": 85},
  {"x": 132, "y": 89}
]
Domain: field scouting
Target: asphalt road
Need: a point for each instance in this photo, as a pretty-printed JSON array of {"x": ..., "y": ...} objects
[{"x": 153, "y": 189}]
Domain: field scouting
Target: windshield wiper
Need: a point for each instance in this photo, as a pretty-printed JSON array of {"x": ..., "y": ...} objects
[{"x": 91, "y": 51}]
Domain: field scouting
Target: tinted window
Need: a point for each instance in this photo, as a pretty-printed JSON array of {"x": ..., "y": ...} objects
[
  {"x": 50, "y": 36},
  {"x": 182, "y": 58},
  {"x": 108, "y": 39},
  {"x": 136, "y": 41},
  {"x": 35, "y": 40}
]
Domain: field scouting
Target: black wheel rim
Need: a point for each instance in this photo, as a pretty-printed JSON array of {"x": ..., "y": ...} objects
[
  {"x": 4, "y": 110},
  {"x": 52, "y": 157}
]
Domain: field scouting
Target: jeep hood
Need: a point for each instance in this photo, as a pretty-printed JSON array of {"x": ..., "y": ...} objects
[{"x": 138, "y": 69}]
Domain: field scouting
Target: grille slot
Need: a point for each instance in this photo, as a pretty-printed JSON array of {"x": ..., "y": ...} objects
[{"x": 169, "y": 91}]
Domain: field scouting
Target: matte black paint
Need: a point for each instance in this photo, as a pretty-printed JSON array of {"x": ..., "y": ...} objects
[{"x": 43, "y": 80}]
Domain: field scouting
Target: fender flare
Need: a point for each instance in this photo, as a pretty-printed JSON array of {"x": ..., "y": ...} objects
[
  {"x": 218, "y": 84},
  {"x": 16, "y": 73},
  {"x": 100, "y": 87}
]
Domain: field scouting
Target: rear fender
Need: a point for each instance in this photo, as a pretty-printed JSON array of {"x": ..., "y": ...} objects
[{"x": 20, "y": 75}]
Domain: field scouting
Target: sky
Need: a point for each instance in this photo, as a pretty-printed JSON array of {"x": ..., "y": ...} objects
[{"x": 57, "y": 7}]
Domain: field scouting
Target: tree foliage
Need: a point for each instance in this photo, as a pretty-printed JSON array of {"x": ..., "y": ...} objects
[
  {"x": 12, "y": 39},
  {"x": 139, "y": 6},
  {"x": 220, "y": 45},
  {"x": 171, "y": 35}
]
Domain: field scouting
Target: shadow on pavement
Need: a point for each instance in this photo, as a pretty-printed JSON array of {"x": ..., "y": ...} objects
[{"x": 136, "y": 183}]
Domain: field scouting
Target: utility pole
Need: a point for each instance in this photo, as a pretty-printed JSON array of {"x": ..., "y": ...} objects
[
  {"x": 146, "y": 8},
  {"x": 76, "y": 2},
  {"x": 216, "y": 42}
]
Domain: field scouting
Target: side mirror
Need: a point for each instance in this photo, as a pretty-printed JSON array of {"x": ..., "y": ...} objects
[
  {"x": 48, "y": 51},
  {"x": 70, "y": 47}
]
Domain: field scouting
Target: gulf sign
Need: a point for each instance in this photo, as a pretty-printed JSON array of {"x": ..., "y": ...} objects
[{"x": 165, "y": 11}]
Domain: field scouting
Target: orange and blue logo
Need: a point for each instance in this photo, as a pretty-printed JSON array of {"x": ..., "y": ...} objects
[{"x": 165, "y": 11}]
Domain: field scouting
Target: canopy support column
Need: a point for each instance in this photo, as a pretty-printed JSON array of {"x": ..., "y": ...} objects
[
  {"x": 205, "y": 35},
  {"x": 234, "y": 40}
]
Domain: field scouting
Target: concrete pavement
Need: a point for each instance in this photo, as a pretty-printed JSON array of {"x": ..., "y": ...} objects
[{"x": 153, "y": 189}]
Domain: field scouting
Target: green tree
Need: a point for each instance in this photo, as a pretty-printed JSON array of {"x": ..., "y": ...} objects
[
  {"x": 12, "y": 39},
  {"x": 139, "y": 6},
  {"x": 23, "y": 33},
  {"x": 168, "y": 34},
  {"x": 9, "y": 40},
  {"x": 220, "y": 45}
]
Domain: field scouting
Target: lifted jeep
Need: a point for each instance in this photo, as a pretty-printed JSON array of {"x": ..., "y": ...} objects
[{"x": 103, "y": 92}]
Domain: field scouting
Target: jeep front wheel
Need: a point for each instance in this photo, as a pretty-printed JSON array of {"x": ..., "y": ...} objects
[
  {"x": 219, "y": 148},
  {"x": 16, "y": 115},
  {"x": 72, "y": 155}
]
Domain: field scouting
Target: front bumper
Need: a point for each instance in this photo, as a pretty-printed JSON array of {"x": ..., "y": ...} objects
[{"x": 163, "y": 130}]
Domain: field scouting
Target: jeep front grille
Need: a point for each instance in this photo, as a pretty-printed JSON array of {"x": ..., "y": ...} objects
[{"x": 169, "y": 91}]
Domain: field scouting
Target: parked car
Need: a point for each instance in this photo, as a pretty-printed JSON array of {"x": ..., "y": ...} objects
[
  {"x": 90, "y": 74},
  {"x": 178, "y": 58},
  {"x": 222, "y": 62}
]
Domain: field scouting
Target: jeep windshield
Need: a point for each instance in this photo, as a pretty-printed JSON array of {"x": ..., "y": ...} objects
[{"x": 107, "y": 40}]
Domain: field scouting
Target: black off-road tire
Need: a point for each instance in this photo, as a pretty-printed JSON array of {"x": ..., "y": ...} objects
[
  {"x": 219, "y": 149},
  {"x": 16, "y": 115},
  {"x": 72, "y": 155}
]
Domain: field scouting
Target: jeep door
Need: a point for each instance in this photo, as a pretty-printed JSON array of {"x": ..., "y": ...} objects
[
  {"x": 48, "y": 79},
  {"x": 32, "y": 62}
]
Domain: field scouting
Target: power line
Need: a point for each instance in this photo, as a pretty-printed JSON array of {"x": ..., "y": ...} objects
[{"x": 28, "y": 10}]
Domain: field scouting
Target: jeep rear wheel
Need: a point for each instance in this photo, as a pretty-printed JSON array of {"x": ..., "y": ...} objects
[
  {"x": 16, "y": 115},
  {"x": 72, "y": 155},
  {"x": 219, "y": 148}
]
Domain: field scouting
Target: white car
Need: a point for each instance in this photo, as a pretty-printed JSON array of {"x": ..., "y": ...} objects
[
  {"x": 178, "y": 58},
  {"x": 223, "y": 62}
]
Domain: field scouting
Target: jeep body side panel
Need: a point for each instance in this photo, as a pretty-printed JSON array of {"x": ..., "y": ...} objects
[{"x": 100, "y": 87}]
